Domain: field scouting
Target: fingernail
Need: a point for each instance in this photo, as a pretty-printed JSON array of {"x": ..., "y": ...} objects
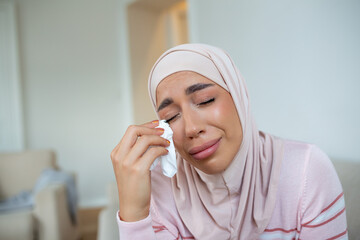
[
  {"x": 160, "y": 130},
  {"x": 168, "y": 141},
  {"x": 155, "y": 121}
]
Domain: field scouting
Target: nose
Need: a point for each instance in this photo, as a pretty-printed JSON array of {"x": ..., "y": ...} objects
[{"x": 193, "y": 123}]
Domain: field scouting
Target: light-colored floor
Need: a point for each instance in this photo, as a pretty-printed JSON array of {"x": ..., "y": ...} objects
[{"x": 88, "y": 222}]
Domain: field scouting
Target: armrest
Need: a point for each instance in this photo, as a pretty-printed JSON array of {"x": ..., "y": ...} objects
[
  {"x": 107, "y": 225},
  {"x": 52, "y": 214}
]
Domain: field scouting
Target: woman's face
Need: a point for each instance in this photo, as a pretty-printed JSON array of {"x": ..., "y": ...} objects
[{"x": 203, "y": 117}]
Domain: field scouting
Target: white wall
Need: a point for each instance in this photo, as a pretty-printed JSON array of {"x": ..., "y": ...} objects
[
  {"x": 301, "y": 61},
  {"x": 11, "y": 125},
  {"x": 76, "y": 98}
]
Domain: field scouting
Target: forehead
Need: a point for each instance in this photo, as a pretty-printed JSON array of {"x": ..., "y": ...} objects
[{"x": 180, "y": 80}]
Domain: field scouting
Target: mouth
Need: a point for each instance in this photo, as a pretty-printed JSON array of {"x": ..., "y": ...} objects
[{"x": 205, "y": 150}]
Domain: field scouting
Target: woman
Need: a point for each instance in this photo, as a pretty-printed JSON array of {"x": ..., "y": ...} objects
[{"x": 233, "y": 181}]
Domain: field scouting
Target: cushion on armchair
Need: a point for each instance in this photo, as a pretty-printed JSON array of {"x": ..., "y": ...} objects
[
  {"x": 17, "y": 225},
  {"x": 20, "y": 171}
]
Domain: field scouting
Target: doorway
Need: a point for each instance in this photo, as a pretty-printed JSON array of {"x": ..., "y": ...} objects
[{"x": 154, "y": 26}]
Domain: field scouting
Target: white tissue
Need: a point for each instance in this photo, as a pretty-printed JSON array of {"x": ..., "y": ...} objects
[{"x": 168, "y": 162}]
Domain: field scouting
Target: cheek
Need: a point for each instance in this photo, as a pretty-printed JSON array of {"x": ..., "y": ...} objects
[
  {"x": 218, "y": 112},
  {"x": 227, "y": 115},
  {"x": 222, "y": 113},
  {"x": 177, "y": 138}
]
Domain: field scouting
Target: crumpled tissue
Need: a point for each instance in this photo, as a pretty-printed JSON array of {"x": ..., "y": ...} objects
[{"x": 168, "y": 161}]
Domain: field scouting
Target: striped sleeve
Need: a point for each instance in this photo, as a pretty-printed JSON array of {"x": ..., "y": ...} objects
[
  {"x": 323, "y": 214},
  {"x": 146, "y": 229},
  {"x": 136, "y": 230}
]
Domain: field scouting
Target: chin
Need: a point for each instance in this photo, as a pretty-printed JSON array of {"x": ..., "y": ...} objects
[{"x": 211, "y": 167}]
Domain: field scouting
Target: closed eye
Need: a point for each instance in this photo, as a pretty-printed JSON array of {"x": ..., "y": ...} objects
[
  {"x": 200, "y": 104},
  {"x": 170, "y": 119},
  {"x": 207, "y": 102}
]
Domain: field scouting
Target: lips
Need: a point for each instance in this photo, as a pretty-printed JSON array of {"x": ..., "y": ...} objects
[{"x": 205, "y": 150}]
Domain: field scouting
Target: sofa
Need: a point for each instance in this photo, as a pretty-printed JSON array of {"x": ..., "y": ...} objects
[
  {"x": 49, "y": 218},
  {"x": 349, "y": 174}
]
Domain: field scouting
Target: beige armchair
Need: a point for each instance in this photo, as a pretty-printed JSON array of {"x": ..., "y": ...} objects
[{"x": 49, "y": 218}]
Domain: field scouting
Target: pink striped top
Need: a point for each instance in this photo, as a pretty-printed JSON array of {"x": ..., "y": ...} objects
[{"x": 310, "y": 202}]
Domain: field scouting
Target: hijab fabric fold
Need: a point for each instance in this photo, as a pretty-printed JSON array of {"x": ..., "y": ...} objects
[{"x": 237, "y": 203}]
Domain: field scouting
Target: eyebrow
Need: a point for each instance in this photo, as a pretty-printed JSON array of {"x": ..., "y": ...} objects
[
  {"x": 197, "y": 87},
  {"x": 165, "y": 103},
  {"x": 193, "y": 88}
]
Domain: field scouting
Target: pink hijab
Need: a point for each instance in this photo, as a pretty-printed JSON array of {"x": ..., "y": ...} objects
[{"x": 237, "y": 203}]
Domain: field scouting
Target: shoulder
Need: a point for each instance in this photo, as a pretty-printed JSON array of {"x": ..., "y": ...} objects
[
  {"x": 294, "y": 165},
  {"x": 306, "y": 161},
  {"x": 308, "y": 168},
  {"x": 308, "y": 184},
  {"x": 291, "y": 185},
  {"x": 321, "y": 195},
  {"x": 322, "y": 187}
]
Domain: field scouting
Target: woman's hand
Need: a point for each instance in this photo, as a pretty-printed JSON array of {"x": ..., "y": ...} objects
[{"x": 131, "y": 160}]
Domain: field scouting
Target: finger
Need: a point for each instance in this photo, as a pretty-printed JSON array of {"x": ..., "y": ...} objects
[
  {"x": 142, "y": 146},
  {"x": 151, "y": 124},
  {"x": 132, "y": 128},
  {"x": 149, "y": 156},
  {"x": 132, "y": 134}
]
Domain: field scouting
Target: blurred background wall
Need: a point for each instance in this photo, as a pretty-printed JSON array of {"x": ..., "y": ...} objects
[
  {"x": 74, "y": 98},
  {"x": 83, "y": 67},
  {"x": 300, "y": 60}
]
